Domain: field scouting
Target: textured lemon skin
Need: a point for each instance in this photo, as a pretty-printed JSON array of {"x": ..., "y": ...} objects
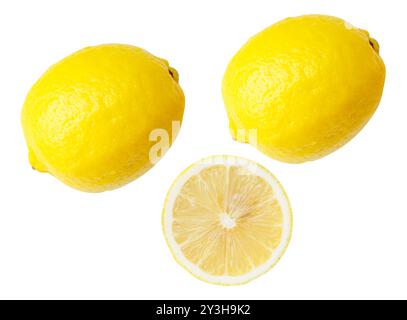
[
  {"x": 88, "y": 119},
  {"x": 307, "y": 85}
]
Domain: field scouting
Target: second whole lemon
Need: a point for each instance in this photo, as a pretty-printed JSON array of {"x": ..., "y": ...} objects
[
  {"x": 303, "y": 87},
  {"x": 88, "y": 120}
]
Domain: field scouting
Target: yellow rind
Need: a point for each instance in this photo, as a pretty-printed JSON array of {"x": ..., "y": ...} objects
[
  {"x": 307, "y": 84},
  {"x": 88, "y": 119}
]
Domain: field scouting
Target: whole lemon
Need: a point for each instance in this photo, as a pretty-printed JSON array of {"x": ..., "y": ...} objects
[
  {"x": 304, "y": 87},
  {"x": 88, "y": 120}
]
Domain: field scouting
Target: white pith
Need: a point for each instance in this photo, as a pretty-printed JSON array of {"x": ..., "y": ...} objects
[{"x": 226, "y": 221}]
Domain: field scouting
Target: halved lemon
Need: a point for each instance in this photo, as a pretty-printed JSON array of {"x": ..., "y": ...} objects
[{"x": 227, "y": 220}]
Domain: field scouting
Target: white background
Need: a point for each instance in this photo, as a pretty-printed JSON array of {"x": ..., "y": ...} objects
[{"x": 350, "y": 211}]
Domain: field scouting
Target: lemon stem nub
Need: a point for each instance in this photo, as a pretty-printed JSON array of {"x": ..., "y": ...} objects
[
  {"x": 375, "y": 45},
  {"x": 173, "y": 73}
]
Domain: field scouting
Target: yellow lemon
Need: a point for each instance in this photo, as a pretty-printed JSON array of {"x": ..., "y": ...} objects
[
  {"x": 227, "y": 220},
  {"x": 303, "y": 87},
  {"x": 89, "y": 118}
]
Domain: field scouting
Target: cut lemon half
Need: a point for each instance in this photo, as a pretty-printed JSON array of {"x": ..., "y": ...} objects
[{"x": 227, "y": 220}]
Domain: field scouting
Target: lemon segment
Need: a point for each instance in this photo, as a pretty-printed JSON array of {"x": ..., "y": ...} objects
[{"x": 227, "y": 220}]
